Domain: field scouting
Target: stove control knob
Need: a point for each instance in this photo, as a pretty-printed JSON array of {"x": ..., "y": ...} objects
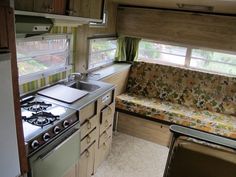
[
  {"x": 46, "y": 137},
  {"x": 66, "y": 124},
  {"x": 35, "y": 144},
  {"x": 57, "y": 130}
]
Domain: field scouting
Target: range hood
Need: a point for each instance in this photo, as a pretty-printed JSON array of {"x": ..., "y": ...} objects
[{"x": 30, "y": 25}]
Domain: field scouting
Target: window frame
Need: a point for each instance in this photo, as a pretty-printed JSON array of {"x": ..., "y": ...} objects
[
  {"x": 89, "y": 54},
  {"x": 188, "y": 57},
  {"x": 54, "y": 70}
]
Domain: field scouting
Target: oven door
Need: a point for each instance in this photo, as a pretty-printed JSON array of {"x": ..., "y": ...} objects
[{"x": 57, "y": 158}]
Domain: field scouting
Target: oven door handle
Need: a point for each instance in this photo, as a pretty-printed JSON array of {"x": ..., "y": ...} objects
[{"x": 46, "y": 155}]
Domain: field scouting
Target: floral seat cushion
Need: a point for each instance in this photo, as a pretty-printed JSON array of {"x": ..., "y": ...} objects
[
  {"x": 199, "y": 90},
  {"x": 217, "y": 123}
]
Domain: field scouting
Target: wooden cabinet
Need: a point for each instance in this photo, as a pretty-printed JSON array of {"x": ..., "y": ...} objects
[
  {"x": 102, "y": 152},
  {"x": 106, "y": 105},
  {"x": 3, "y": 30},
  {"x": 96, "y": 133},
  {"x": 86, "y": 162},
  {"x": 26, "y": 5},
  {"x": 88, "y": 140},
  {"x": 86, "y": 8},
  {"x": 87, "y": 112},
  {"x": 43, "y": 6},
  {"x": 92, "y": 9}
]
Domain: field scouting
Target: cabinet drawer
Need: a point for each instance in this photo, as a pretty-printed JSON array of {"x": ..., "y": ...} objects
[
  {"x": 105, "y": 100},
  {"x": 87, "y": 112},
  {"x": 105, "y": 136},
  {"x": 88, "y": 125},
  {"x": 102, "y": 152},
  {"x": 107, "y": 115},
  {"x": 88, "y": 140}
]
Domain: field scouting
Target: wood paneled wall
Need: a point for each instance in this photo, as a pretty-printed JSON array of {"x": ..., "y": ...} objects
[
  {"x": 202, "y": 30},
  {"x": 86, "y": 31}
]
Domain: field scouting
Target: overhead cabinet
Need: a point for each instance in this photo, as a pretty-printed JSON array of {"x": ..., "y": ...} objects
[
  {"x": 3, "y": 29},
  {"x": 92, "y": 9},
  {"x": 43, "y": 6},
  {"x": 86, "y": 8}
]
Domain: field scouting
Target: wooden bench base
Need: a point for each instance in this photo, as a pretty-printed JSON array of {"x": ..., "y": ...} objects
[{"x": 145, "y": 129}]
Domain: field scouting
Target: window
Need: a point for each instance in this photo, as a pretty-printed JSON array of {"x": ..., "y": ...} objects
[
  {"x": 213, "y": 61},
  {"x": 38, "y": 57},
  {"x": 188, "y": 57},
  {"x": 161, "y": 53},
  {"x": 101, "y": 52}
]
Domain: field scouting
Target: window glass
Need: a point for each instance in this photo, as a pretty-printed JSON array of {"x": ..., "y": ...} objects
[
  {"x": 41, "y": 54},
  {"x": 161, "y": 53},
  {"x": 213, "y": 61},
  {"x": 200, "y": 59},
  {"x": 102, "y": 52}
]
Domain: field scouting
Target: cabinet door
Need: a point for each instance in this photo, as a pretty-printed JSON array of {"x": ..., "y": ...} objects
[
  {"x": 86, "y": 8},
  {"x": 3, "y": 29},
  {"x": 96, "y": 9},
  {"x": 44, "y": 6},
  {"x": 102, "y": 153},
  {"x": 59, "y": 6},
  {"x": 83, "y": 165},
  {"x": 50, "y": 6},
  {"x": 24, "y": 5},
  {"x": 86, "y": 162}
]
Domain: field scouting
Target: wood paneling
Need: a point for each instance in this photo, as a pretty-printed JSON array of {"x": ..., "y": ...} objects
[
  {"x": 219, "y": 6},
  {"x": 119, "y": 80},
  {"x": 86, "y": 31},
  {"x": 19, "y": 128},
  {"x": 3, "y": 29},
  {"x": 145, "y": 129},
  {"x": 210, "y": 31}
]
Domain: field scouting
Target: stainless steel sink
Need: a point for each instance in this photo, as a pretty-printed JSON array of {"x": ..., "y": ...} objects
[{"x": 82, "y": 85}]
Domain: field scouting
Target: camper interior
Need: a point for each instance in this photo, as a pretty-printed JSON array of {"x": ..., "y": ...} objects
[{"x": 118, "y": 88}]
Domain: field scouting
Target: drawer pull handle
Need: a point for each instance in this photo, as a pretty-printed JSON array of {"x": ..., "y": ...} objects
[
  {"x": 87, "y": 153},
  {"x": 89, "y": 125},
  {"x": 88, "y": 139},
  {"x": 106, "y": 123},
  {"x": 109, "y": 109},
  {"x": 104, "y": 145}
]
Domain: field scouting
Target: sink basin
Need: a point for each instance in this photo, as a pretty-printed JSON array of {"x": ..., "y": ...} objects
[{"x": 81, "y": 85}]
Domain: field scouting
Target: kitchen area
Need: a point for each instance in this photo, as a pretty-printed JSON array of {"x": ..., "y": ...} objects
[
  {"x": 63, "y": 126},
  {"x": 117, "y": 88}
]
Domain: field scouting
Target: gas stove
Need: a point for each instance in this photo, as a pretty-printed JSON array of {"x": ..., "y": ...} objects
[{"x": 44, "y": 121}]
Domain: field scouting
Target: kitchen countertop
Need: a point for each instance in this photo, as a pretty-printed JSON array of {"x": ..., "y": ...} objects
[
  {"x": 107, "y": 71},
  {"x": 92, "y": 96}
]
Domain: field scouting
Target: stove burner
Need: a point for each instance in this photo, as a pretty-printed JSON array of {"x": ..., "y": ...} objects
[
  {"x": 36, "y": 106},
  {"x": 41, "y": 119}
]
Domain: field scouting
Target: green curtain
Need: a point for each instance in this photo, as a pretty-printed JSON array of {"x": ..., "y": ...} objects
[{"x": 127, "y": 49}]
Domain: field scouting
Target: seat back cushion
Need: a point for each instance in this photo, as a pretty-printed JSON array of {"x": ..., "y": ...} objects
[{"x": 199, "y": 90}]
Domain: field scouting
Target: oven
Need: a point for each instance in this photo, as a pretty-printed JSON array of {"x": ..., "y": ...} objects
[
  {"x": 55, "y": 159},
  {"x": 52, "y": 136}
]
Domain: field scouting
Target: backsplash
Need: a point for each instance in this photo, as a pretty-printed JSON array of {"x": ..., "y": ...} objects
[{"x": 33, "y": 85}]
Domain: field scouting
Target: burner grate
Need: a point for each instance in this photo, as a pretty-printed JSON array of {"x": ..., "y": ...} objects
[
  {"x": 36, "y": 106},
  {"x": 41, "y": 118}
]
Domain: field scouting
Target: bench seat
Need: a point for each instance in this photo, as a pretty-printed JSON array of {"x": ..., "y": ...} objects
[{"x": 216, "y": 123}]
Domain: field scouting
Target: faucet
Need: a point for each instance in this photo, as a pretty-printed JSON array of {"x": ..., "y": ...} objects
[{"x": 76, "y": 76}]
